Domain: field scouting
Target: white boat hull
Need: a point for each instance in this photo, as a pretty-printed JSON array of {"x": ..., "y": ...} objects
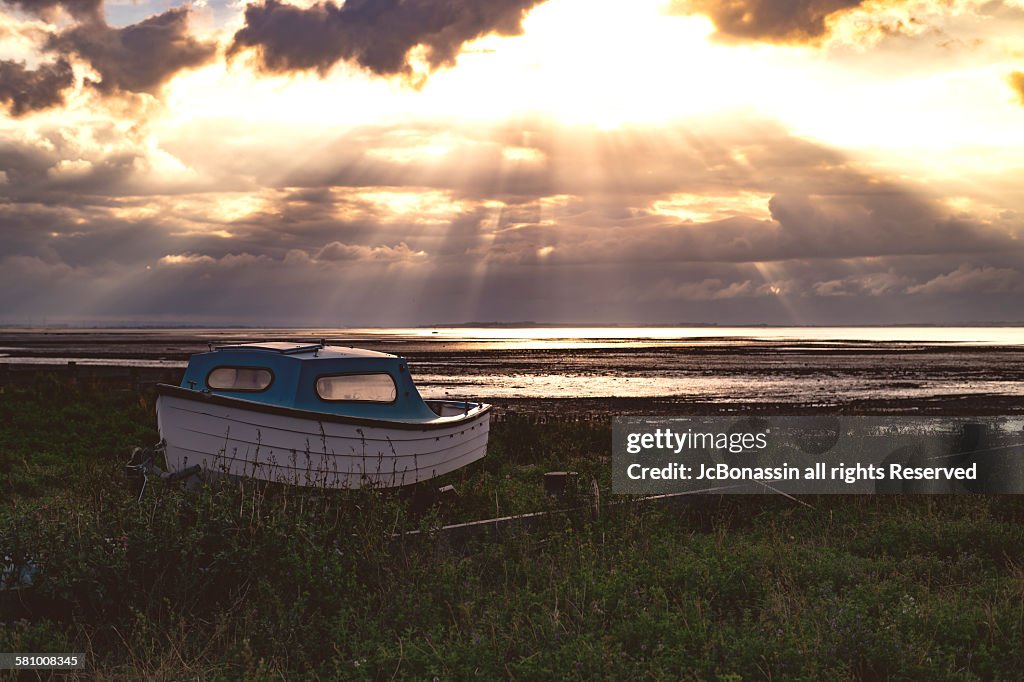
[{"x": 287, "y": 448}]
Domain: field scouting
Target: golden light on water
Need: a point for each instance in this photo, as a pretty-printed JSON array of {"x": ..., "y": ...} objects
[{"x": 582, "y": 337}]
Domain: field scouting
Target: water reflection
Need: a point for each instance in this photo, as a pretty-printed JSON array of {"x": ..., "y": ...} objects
[{"x": 710, "y": 364}]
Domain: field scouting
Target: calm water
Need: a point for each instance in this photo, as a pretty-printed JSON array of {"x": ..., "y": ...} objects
[{"x": 716, "y": 364}]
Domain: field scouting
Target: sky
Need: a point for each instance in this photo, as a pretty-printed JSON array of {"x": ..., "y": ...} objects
[{"x": 414, "y": 162}]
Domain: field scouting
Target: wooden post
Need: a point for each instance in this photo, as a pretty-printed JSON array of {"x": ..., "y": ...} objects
[{"x": 560, "y": 483}]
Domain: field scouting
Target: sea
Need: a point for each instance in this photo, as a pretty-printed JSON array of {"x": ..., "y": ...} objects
[{"x": 742, "y": 365}]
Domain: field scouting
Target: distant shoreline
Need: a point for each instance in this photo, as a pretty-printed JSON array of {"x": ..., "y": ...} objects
[
  {"x": 144, "y": 326},
  {"x": 719, "y": 368}
]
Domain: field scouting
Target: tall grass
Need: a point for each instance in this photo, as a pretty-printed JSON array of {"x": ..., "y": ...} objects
[{"x": 269, "y": 582}]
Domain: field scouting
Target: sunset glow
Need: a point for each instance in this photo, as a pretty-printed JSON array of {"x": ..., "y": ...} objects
[{"x": 558, "y": 160}]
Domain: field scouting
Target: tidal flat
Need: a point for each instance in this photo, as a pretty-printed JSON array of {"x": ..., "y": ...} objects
[
  {"x": 252, "y": 581},
  {"x": 665, "y": 369}
]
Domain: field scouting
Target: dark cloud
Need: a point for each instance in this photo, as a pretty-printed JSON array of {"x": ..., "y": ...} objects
[
  {"x": 137, "y": 58},
  {"x": 375, "y": 34},
  {"x": 1017, "y": 83},
  {"x": 768, "y": 20},
  {"x": 403, "y": 239},
  {"x": 968, "y": 279},
  {"x": 25, "y": 167},
  {"x": 81, "y": 9},
  {"x": 54, "y": 173},
  {"x": 24, "y": 90}
]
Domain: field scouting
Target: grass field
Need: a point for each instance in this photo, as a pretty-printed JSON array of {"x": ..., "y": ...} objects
[{"x": 258, "y": 582}]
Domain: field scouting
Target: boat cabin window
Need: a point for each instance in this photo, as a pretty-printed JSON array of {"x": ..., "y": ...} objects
[
  {"x": 239, "y": 379},
  {"x": 367, "y": 388}
]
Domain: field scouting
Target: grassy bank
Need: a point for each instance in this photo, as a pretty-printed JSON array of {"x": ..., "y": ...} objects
[{"x": 266, "y": 583}]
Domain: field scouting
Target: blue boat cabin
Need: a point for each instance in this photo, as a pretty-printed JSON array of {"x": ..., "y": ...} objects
[{"x": 313, "y": 377}]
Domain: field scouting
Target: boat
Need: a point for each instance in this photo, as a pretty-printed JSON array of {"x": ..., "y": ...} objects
[{"x": 312, "y": 414}]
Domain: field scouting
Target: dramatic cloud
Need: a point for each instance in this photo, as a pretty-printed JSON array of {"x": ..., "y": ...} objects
[
  {"x": 711, "y": 289},
  {"x": 374, "y": 34},
  {"x": 336, "y": 251},
  {"x": 81, "y": 9},
  {"x": 614, "y": 181},
  {"x": 730, "y": 223},
  {"x": 137, "y": 58},
  {"x": 770, "y": 20},
  {"x": 870, "y": 284},
  {"x": 25, "y": 90},
  {"x": 968, "y": 279}
]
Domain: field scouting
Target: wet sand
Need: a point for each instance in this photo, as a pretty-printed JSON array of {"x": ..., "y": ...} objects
[{"x": 599, "y": 377}]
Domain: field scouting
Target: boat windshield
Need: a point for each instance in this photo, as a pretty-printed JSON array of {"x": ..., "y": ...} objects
[
  {"x": 239, "y": 379},
  {"x": 377, "y": 387}
]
